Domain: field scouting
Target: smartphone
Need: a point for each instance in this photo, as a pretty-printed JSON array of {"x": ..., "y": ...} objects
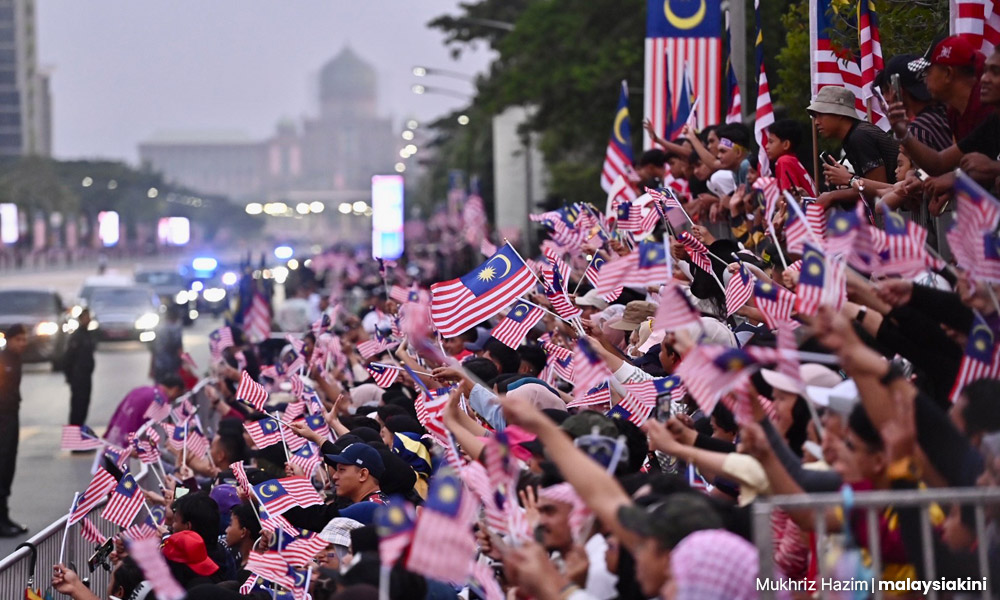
[
  {"x": 100, "y": 556},
  {"x": 827, "y": 158},
  {"x": 897, "y": 90},
  {"x": 922, "y": 175},
  {"x": 180, "y": 492}
]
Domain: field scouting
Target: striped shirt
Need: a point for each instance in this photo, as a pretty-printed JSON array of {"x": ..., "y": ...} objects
[{"x": 930, "y": 127}]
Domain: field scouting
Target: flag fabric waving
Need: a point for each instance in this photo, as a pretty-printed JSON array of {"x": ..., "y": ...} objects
[
  {"x": 264, "y": 433},
  {"x": 980, "y": 359},
  {"x": 443, "y": 543},
  {"x": 251, "y": 392},
  {"x": 126, "y": 501},
  {"x": 98, "y": 489},
  {"x": 512, "y": 330},
  {"x": 739, "y": 290},
  {"x": 618, "y": 157},
  {"x": 394, "y": 524},
  {"x": 775, "y": 302},
  {"x": 460, "y": 304},
  {"x": 75, "y": 437},
  {"x": 765, "y": 110},
  {"x": 146, "y": 553},
  {"x": 384, "y": 376},
  {"x": 279, "y": 495}
]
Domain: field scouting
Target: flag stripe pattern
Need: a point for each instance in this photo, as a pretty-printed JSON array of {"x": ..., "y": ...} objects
[
  {"x": 126, "y": 501},
  {"x": 98, "y": 489},
  {"x": 251, "y": 392},
  {"x": 512, "y": 330}
]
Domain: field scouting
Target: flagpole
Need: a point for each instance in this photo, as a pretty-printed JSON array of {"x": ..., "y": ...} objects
[
  {"x": 580, "y": 280},
  {"x": 184, "y": 449},
  {"x": 568, "y": 321},
  {"x": 62, "y": 550},
  {"x": 281, "y": 431},
  {"x": 398, "y": 368}
]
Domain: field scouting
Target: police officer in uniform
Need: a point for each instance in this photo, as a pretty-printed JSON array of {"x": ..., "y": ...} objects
[
  {"x": 10, "y": 404},
  {"x": 79, "y": 366}
]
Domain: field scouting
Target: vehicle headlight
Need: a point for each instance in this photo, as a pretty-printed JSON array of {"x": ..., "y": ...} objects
[
  {"x": 213, "y": 294},
  {"x": 197, "y": 286},
  {"x": 47, "y": 328},
  {"x": 147, "y": 321},
  {"x": 181, "y": 297}
]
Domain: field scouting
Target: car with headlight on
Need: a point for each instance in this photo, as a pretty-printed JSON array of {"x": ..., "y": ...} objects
[
  {"x": 125, "y": 313},
  {"x": 46, "y": 319},
  {"x": 172, "y": 288},
  {"x": 214, "y": 294}
]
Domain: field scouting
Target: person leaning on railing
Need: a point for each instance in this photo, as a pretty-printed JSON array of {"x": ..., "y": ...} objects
[{"x": 126, "y": 582}]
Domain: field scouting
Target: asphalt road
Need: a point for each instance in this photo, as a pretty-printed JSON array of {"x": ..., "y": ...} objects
[{"x": 46, "y": 477}]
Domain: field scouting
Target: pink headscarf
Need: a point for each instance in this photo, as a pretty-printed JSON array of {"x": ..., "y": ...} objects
[{"x": 714, "y": 564}]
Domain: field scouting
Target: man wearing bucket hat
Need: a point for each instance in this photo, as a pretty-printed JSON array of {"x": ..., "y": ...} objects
[{"x": 870, "y": 150}]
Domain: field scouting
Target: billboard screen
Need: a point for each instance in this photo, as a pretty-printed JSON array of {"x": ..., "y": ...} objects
[
  {"x": 387, "y": 216},
  {"x": 8, "y": 223},
  {"x": 173, "y": 231},
  {"x": 107, "y": 227}
]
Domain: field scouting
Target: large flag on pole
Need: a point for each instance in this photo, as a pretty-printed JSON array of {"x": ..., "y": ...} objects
[
  {"x": 979, "y": 20},
  {"x": 678, "y": 32},
  {"x": 734, "y": 107},
  {"x": 618, "y": 158},
  {"x": 765, "y": 111}
]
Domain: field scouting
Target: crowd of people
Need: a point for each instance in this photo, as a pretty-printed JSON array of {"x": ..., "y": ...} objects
[{"x": 599, "y": 422}]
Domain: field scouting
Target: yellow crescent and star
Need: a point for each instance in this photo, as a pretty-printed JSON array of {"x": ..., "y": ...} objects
[
  {"x": 396, "y": 516},
  {"x": 815, "y": 260},
  {"x": 685, "y": 22},
  {"x": 447, "y": 493},
  {"x": 619, "y": 119},
  {"x": 268, "y": 491},
  {"x": 488, "y": 273},
  {"x": 982, "y": 340}
]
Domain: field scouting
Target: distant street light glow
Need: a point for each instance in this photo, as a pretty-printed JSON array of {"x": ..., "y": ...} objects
[
  {"x": 419, "y": 71},
  {"x": 254, "y": 208},
  {"x": 302, "y": 208},
  {"x": 283, "y": 252},
  {"x": 463, "y": 119},
  {"x": 412, "y": 124},
  {"x": 407, "y": 135},
  {"x": 317, "y": 206},
  {"x": 418, "y": 89},
  {"x": 400, "y": 167},
  {"x": 87, "y": 182},
  {"x": 153, "y": 192},
  {"x": 344, "y": 208}
]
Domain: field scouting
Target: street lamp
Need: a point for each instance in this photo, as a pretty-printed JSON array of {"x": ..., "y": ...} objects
[
  {"x": 463, "y": 119},
  {"x": 426, "y": 89},
  {"x": 428, "y": 71}
]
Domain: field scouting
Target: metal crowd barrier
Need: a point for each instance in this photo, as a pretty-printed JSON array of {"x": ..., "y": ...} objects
[
  {"x": 15, "y": 569},
  {"x": 872, "y": 502}
]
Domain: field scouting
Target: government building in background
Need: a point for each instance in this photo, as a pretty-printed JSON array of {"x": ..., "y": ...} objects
[{"x": 329, "y": 158}]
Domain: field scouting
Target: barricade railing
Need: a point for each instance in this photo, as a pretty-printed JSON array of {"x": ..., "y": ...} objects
[
  {"x": 15, "y": 568},
  {"x": 871, "y": 502}
]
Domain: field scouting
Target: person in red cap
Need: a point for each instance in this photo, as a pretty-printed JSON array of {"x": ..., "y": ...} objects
[
  {"x": 188, "y": 559},
  {"x": 977, "y": 151}
]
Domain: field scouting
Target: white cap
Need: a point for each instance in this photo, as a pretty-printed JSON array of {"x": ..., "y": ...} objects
[{"x": 840, "y": 398}]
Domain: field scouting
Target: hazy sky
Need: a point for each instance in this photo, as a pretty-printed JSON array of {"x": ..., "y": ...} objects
[{"x": 123, "y": 70}]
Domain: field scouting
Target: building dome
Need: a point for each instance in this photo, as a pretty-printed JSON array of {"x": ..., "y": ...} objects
[{"x": 346, "y": 77}]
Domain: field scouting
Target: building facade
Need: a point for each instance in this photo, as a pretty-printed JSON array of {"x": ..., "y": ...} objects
[
  {"x": 327, "y": 157},
  {"x": 25, "y": 104}
]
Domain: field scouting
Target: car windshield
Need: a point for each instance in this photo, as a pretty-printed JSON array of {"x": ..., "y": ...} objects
[
  {"x": 120, "y": 298},
  {"x": 28, "y": 303},
  {"x": 160, "y": 278}
]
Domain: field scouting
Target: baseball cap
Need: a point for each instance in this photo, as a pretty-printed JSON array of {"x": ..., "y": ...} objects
[
  {"x": 840, "y": 398},
  {"x": 360, "y": 455},
  {"x": 482, "y": 336},
  {"x": 908, "y": 79},
  {"x": 671, "y": 520},
  {"x": 952, "y": 51},
  {"x": 187, "y": 548}
]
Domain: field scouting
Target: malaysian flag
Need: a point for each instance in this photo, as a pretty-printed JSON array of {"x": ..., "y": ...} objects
[
  {"x": 430, "y": 411},
  {"x": 589, "y": 371},
  {"x": 219, "y": 340},
  {"x": 560, "y": 360},
  {"x": 147, "y": 554},
  {"x": 871, "y": 47},
  {"x": 739, "y": 290},
  {"x": 632, "y": 409},
  {"x": 684, "y": 112},
  {"x": 599, "y": 394},
  {"x": 809, "y": 291},
  {"x": 90, "y": 532},
  {"x": 102, "y": 483},
  {"x": 460, "y": 304},
  {"x": 980, "y": 360},
  {"x": 159, "y": 408},
  {"x": 251, "y": 392},
  {"x": 273, "y": 567},
  {"x": 556, "y": 274},
  {"x": 298, "y": 550},
  {"x": 629, "y": 217},
  {"x": 126, "y": 501},
  {"x": 240, "y": 473},
  {"x": 306, "y": 458},
  {"x": 679, "y": 33},
  {"x": 196, "y": 442},
  {"x": 765, "y": 111},
  {"x": 257, "y": 322},
  {"x": 649, "y": 265},
  {"x": 711, "y": 370},
  {"x": 383, "y": 375},
  {"x": 275, "y": 523},
  {"x": 145, "y": 451},
  {"x": 835, "y": 66},
  {"x": 978, "y": 20},
  {"x": 141, "y": 531},
  {"x": 675, "y": 310},
  {"x": 594, "y": 275},
  {"x": 515, "y": 326},
  {"x": 618, "y": 157},
  {"x": 376, "y": 346},
  {"x": 279, "y": 495},
  {"x": 394, "y": 524},
  {"x": 901, "y": 246},
  {"x": 849, "y": 237},
  {"x": 265, "y": 432},
  {"x": 735, "y": 112},
  {"x": 697, "y": 252},
  {"x": 774, "y": 302},
  {"x": 317, "y": 423},
  {"x": 443, "y": 543},
  {"x": 971, "y": 238},
  {"x": 77, "y": 437},
  {"x": 796, "y": 233},
  {"x": 649, "y": 391}
]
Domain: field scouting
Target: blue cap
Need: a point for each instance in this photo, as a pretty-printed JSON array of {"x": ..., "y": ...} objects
[{"x": 360, "y": 455}]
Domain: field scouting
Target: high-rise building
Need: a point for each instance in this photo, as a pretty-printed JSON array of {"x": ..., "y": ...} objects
[{"x": 25, "y": 106}]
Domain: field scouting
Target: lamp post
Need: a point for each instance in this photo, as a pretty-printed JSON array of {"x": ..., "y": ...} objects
[{"x": 427, "y": 89}]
